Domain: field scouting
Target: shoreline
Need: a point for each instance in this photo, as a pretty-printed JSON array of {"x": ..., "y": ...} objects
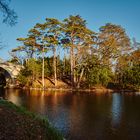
[
  {"x": 96, "y": 89},
  {"x": 28, "y": 125}
]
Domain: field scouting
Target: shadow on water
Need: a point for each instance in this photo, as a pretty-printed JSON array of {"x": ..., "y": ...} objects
[
  {"x": 2, "y": 80},
  {"x": 2, "y": 92}
]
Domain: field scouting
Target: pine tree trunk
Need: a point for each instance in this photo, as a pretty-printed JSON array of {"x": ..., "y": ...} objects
[
  {"x": 43, "y": 82},
  {"x": 80, "y": 78},
  {"x": 64, "y": 60},
  {"x": 74, "y": 71},
  {"x": 72, "y": 65},
  {"x": 54, "y": 66}
]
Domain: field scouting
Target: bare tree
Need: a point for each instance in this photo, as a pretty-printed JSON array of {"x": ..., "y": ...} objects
[{"x": 9, "y": 15}]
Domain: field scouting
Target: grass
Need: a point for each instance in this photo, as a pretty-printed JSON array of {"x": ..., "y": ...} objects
[{"x": 38, "y": 123}]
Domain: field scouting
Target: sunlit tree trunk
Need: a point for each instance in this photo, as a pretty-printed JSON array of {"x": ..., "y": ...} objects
[
  {"x": 74, "y": 71},
  {"x": 72, "y": 65},
  {"x": 64, "y": 60},
  {"x": 54, "y": 66},
  {"x": 43, "y": 81},
  {"x": 80, "y": 78}
]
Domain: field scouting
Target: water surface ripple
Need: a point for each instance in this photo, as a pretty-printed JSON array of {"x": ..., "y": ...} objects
[{"x": 84, "y": 116}]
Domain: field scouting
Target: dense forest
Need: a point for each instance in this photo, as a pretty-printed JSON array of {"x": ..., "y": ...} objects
[{"x": 68, "y": 51}]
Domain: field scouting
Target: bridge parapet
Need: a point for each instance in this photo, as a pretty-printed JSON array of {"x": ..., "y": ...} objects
[{"x": 12, "y": 69}]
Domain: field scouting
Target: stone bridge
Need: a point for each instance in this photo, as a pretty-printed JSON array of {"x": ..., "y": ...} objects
[{"x": 9, "y": 72}]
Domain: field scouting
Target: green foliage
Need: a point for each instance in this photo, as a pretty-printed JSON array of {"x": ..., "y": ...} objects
[
  {"x": 105, "y": 76},
  {"x": 48, "y": 67},
  {"x": 30, "y": 72},
  {"x": 24, "y": 76},
  {"x": 128, "y": 70},
  {"x": 131, "y": 77},
  {"x": 99, "y": 76},
  {"x": 35, "y": 68},
  {"x": 91, "y": 58}
]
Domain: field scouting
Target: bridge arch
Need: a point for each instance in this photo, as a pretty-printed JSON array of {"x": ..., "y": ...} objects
[
  {"x": 9, "y": 73},
  {"x": 5, "y": 77}
]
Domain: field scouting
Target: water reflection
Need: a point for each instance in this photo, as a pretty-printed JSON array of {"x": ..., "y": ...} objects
[
  {"x": 117, "y": 104},
  {"x": 84, "y": 116},
  {"x": 15, "y": 98}
]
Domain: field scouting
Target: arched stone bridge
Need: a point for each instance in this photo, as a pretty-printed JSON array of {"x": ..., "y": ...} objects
[
  {"x": 9, "y": 71},
  {"x": 12, "y": 69}
]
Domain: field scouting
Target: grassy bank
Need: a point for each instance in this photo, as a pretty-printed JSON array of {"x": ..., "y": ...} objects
[
  {"x": 61, "y": 85},
  {"x": 18, "y": 123}
]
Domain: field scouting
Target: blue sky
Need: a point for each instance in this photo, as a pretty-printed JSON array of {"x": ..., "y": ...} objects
[{"x": 96, "y": 12}]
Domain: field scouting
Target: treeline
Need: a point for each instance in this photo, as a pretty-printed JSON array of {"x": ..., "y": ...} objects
[{"x": 69, "y": 51}]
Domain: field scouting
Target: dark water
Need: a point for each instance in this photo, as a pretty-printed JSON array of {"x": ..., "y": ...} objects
[{"x": 85, "y": 116}]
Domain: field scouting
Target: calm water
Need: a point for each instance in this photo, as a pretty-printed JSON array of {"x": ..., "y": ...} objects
[{"x": 85, "y": 116}]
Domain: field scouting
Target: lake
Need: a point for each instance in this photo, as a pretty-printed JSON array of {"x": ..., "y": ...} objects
[{"x": 84, "y": 115}]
